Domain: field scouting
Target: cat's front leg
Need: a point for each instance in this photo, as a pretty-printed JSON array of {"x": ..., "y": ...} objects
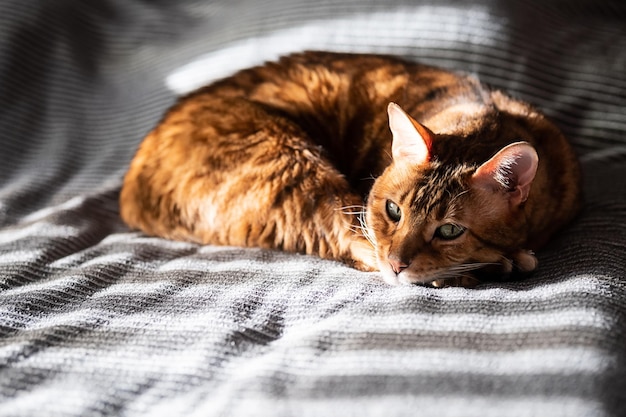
[{"x": 363, "y": 255}]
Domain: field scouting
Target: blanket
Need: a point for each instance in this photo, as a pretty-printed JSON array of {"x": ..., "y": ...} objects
[{"x": 97, "y": 319}]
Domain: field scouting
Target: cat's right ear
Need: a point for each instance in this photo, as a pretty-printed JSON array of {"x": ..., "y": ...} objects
[{"x": 411, "y": 140}]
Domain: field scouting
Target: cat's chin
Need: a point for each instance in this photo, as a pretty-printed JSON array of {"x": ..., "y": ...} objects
[
  {"x": 408, "y": 277},
  {"x": 404, "y": 277},
  {"x": 392, "y": 279}
]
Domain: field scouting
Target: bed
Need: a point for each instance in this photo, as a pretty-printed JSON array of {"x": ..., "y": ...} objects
[{"x": 97, "y": 319}]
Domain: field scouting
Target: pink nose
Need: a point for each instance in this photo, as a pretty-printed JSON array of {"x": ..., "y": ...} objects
[{"x": 397, "y": 265}]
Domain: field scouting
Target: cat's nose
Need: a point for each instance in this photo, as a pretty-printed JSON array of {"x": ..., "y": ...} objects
[{"x": 397, "y": 265}]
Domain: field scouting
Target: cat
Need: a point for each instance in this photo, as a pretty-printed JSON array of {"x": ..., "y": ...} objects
[{"x": 423, "y": 174}]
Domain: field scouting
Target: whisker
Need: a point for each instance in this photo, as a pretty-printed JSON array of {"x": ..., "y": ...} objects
[
  {"x": 361, "y": 228},
  {"x": 458, "y": 195},
  {"x": 351, "y": 207},
  {"x": 471, "y": 266},
  {"x": 366, "y": 230},
  {"x": 460, "y": 271},
  {"x": 347, "y": 209}
]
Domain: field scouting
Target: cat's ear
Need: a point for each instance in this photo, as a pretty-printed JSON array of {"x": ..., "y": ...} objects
[
  {"x": 513, "y": 169},
  {"x": 411, "y": 140}
]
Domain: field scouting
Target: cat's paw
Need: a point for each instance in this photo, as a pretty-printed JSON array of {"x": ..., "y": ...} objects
[
  {"x": 465, "y": 281},
  {"x": 525, "y": 260},
  {"x": 362, "y": 266}
]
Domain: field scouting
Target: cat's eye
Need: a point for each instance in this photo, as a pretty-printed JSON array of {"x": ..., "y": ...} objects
[
  {"x": 393, "y": 211},
  {"x": 449, "y": 231}
]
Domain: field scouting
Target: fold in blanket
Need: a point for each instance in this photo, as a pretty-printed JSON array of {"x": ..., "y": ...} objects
[{"x": 96, "y": 319}]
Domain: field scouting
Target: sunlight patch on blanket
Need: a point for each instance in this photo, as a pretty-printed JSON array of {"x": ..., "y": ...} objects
[
  {"x": 427, "y": 26},
  {"x": 441, "y": 405}
]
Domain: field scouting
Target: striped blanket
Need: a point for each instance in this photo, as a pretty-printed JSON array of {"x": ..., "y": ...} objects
[{"x": 96, "y": 319}]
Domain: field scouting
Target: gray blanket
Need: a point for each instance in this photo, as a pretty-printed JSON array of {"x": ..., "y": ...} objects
[{"x": 96, "y": 319}]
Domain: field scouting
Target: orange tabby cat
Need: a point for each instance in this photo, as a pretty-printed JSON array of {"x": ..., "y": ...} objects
[{"x": 284, "y": 156}]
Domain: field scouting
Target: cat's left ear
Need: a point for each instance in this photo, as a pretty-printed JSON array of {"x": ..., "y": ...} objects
[
  {"x": 513, "y": 169},
  {"x": 411, "y": 140}
]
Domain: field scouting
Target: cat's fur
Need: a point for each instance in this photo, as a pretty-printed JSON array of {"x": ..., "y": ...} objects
[{"x": 285, "y": 156}]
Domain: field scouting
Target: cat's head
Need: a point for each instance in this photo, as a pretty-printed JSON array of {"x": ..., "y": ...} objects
[{"x": 431, "y": 220}]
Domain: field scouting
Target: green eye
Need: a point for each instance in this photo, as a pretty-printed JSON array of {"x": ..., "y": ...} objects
[
  {"x": 393, "y": 211},
  {"x": 449, "y": 231}
]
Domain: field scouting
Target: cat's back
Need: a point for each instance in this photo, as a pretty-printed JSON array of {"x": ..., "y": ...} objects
[{"x": 339, "y": 101}]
